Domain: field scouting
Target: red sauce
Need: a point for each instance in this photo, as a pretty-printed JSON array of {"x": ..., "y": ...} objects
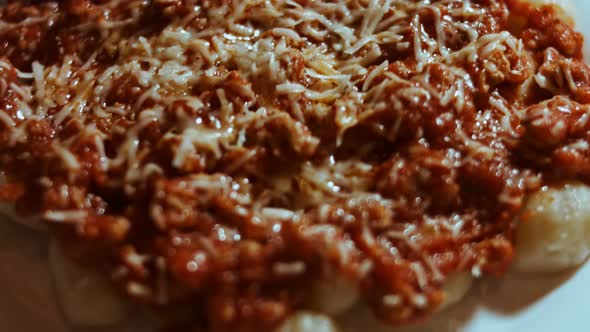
[{"x": 217, "y": 256}]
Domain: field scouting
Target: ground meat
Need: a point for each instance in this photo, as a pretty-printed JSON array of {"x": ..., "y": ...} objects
[{"x": 219, "y": 158}]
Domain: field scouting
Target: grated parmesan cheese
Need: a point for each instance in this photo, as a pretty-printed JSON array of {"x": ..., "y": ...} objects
[{"x": 355, "y": 125}]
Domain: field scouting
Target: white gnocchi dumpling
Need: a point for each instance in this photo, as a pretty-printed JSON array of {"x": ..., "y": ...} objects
[
  {"x": 305, "y": 321},
  {"x": 553, "y": 231},
  {"x": 87, "y": 299},
  {"x": 455, "y": 288},
  {"x": 337, "y": 296},
  {"x": 334, "y": 295}
]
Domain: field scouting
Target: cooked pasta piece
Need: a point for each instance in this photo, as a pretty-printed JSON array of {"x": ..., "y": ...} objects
[
  {"x": 554, "y": 229},
  {"x": 455, "y": 288},
  {"x": 334, "y": 296},
  {"x": 228, "y": 154},
  {"x": 308, "y": 322}
]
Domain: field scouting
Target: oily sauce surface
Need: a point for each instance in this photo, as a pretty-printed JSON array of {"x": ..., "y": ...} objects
[{"x": 217, "y": 159}]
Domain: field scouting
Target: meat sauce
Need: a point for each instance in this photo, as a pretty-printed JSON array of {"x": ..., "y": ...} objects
[{"x": 220, "y": 202}]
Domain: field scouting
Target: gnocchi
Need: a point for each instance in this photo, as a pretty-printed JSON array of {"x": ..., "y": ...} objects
[
  {"x": 455, "y": 288},
  {"x": 553, "y": 231},
  {"x": 308, "y": 322},
  {"x": 334, "y": 296}
]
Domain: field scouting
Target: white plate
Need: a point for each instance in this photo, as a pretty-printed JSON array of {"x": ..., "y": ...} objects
[{"x": 512, "y": 304}]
